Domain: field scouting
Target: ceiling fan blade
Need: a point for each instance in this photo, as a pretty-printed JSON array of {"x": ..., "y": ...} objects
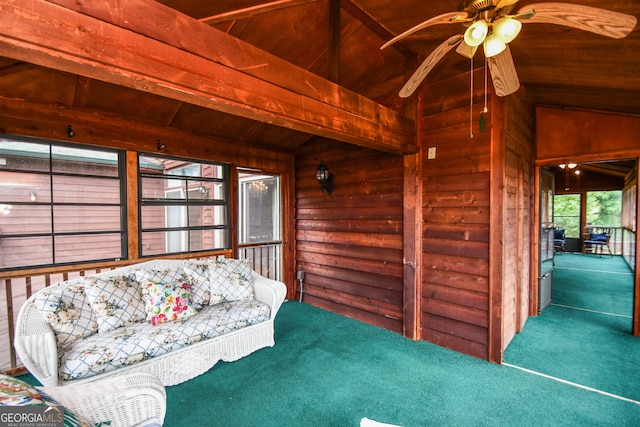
[
  {"x": 505, "y": 3},
  {"x": 445, "y": 18},
  {"x": 503, "y": 73},
  {"x": 428, "y": 64},
  {"x": 600, "y": 21},
  {"x": 465, "y": 50}
]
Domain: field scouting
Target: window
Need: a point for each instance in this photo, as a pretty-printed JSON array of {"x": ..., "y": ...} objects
[
  {"x": 604, "y": 208},
  {"x": 566, "y": 214},
  {"x": 184, "y": 206},
  {"x": 260, "y": 209},
  {"x": 60, "y": 204}
]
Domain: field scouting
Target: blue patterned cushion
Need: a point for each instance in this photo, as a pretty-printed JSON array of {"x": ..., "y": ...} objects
[
  {"x": 67, "y": 310},
  {"x": 231, "y": 279},
  {"x": 140, "y": 341},
  {"x": 200, "y": 278},
  {"x": 116, "y": 301}
]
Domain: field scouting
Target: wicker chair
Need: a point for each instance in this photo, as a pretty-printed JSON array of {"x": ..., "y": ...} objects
[{"x": 126, "y": 400}]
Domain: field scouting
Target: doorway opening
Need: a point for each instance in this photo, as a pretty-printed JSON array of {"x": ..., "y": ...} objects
[
  {"x": 260, "y": 223},
  {"x": 594, "y": 210}
]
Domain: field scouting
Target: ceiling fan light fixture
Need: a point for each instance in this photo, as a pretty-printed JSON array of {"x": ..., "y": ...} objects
[
  {"x": 507, "y": 28},
  {"x": 493, "y": 45},
  {"x": 476, "y": 33}
]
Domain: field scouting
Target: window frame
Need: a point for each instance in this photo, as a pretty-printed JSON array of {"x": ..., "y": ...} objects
[
  {"x": 185, "y": 202},
  {"x": 51, "y": 173}
]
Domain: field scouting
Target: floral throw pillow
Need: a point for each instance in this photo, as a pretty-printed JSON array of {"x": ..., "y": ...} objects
[
  {"x": 231, "y": 278},
  {"x": 116, "y": 301},
  {"x": 167, "y": 302},
  {"x": 66, "y": 308}
]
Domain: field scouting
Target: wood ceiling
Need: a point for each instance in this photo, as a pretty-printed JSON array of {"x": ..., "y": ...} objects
[{"x": 339, "y": 40}]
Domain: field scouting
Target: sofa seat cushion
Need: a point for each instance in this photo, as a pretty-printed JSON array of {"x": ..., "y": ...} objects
[{"x": 140, "y": 341}]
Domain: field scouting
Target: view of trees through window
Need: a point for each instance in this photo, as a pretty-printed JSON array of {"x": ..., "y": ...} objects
[
  {"x": 603, "y": 208},
  {"x": 566, "y": 214}
]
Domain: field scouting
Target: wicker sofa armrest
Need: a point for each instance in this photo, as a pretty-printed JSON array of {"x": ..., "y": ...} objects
[
  {"x": 36, "y": 344},
  {"x": 125, "y": 400},
  {"x": 269, "y": 291}
]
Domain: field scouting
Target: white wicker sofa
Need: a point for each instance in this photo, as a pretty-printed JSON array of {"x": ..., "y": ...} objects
[{"x": 173, "y": 318}]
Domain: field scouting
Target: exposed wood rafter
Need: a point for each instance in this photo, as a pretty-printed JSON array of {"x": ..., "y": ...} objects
[
  {"x": 374, "y": 25},
  {"x": 248, "y": 12},
  {"x": 149, "y": 47},
  {"x": 334, "y": 41}
]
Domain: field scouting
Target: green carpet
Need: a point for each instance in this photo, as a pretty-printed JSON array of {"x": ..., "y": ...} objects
[
  {"x": 584, "y": 336},
  {"x": 329, "y": 370}
]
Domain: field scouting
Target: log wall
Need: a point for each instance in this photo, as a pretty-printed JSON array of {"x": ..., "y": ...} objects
[
  {"x": 477, "y": 213},
  {"x": 349, "y": 243},
  {"x": 456, "y": 213}
]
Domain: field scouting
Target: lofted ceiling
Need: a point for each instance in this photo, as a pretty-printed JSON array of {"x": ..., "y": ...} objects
[{"x": 340, "y": 40}]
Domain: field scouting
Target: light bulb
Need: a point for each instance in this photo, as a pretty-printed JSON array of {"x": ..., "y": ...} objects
[
  {"x": 507, "y": 29},
  {"x": 476, "y": 33},
  {"x": 493, "y": 46}
]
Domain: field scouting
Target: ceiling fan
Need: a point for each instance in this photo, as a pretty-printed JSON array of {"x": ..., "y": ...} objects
[{"x": 491, "y": 23}]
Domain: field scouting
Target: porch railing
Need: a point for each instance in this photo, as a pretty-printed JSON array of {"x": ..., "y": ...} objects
[{"x": 264, "y": 258}]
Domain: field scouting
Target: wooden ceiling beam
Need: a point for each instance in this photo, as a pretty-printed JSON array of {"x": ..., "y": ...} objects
[
  {"x": 374, "y": 25},
  {"x": 18, "y": 117},
  {"x": 147, "y": 46}
]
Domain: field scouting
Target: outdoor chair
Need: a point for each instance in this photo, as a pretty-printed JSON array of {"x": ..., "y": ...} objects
[
  {"x": 126, "y": 400},
  {"x": 597, "y": 241},
  {"x": 558, "y": 240}
]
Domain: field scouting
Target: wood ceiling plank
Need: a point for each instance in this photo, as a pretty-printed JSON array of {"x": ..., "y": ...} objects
[
  {"x": 248, "y": 12},
  {"x": 117, "y": 131},
  {"x": 149, "y": 47}
]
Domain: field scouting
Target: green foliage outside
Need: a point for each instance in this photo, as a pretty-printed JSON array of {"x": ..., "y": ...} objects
[
  {"x": 566, "y": 214},
  {"x": 603, "y": 208}
]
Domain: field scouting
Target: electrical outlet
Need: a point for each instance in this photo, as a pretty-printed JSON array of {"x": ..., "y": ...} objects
[{"x": 431, "y": 153}]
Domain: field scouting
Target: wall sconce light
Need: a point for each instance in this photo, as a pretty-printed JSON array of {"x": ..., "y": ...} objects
[
  {"x": 70, "y": 131},
  {"x": 325, "y": 179},
  {"x": 160, "y": 145},
  {"x": 33, "y": 195}
]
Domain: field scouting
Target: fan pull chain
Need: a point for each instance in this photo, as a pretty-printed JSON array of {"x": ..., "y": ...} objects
[
  {"x": 485, "y": 109},
  {"x": 471, "y": 104}
]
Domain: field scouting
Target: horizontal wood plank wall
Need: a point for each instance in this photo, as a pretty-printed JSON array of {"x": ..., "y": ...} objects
[
  {"x": 456, "y": 213},
  {"x": 349, "y": 243}
]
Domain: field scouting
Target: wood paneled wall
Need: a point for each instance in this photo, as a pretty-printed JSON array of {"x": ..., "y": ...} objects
[
  {"x": 456, "y": 213},
  {"x": 518, "y": 222},
  {"x": 349, "y": 244},
  {"x": 477, "y": 213}
]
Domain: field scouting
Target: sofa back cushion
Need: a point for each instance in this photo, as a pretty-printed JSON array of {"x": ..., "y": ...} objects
[
  {"x": 199, "y": 276},
  {"x": 67, "y": 310},
  {"x": 231, "y": 278},
  {"x": 219, "y": 280},
  {"x": 115, "y": 300}
]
